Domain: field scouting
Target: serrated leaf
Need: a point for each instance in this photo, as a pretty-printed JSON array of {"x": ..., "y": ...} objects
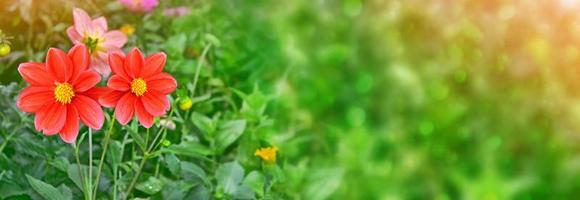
[
  {"x": 45, "y": 190},
  {"x": 229, "y": 176},
  {"x": 228, "y": 133}
]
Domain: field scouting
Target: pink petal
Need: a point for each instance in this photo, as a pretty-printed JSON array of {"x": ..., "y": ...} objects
[
  {"x": 74, "y": 36},
  {"x": 83, "y": 23},
  {"x": 100, "y": 66},
  {"x": 125, "y": 108},
  {"x": 101, "y": 23},
  {"x": 90, "y": 111},
  {"x": 114, "y": 39},
  {"x": 70, "y": 130}
]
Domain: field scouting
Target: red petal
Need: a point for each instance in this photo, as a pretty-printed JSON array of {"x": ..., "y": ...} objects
[
  {"x": 117, "y": 82},
  {"x": 134, "y": 63},
  {"x": 70, "y": 130},
  {"x": 35, "y": 74},
  {"x": 125, "y": 108},
  {"x": 95, "y": 93},
  {"x": 117, "y": 63},
  {"x": 162, "y": 83},
  {"x": 111, "y": 98},
  {"x": 80, "y": 57},
  {"x": 54, "y": 119},
  {"x": 154, "y": 64},
  {"x": 59, "y": 65},
  {"x": 156, "y": 104},
  {"x": 31, "y": 99},
  {"x": 89, "y": 111},
  {"x": 144, "y": 117},
  {"x": 38, "y": 118},
  {"x": 87, "y": 80}
]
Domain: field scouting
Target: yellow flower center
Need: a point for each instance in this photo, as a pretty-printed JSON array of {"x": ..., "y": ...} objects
[
  {"x": 138, "y": 86},
  {"x": 267, "y": 154},
  {"x": 63, "y": 93}
]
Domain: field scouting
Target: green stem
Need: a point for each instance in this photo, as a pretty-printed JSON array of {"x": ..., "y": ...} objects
[
  {"x": 198, "y": 69},
  {"x": 81, "y": 172},
  {"x": 146, "y": 154},
  {"x": 90, "y": 178},
  {"x": 136, "y": 177},
  {"x": 115, "y": 168},
  {"x": 103, "y": 154}
]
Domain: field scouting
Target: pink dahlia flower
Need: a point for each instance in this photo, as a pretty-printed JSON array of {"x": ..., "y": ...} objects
[
  {"x": 95, "y": 36},
  {"x": 140, "y": 5}
]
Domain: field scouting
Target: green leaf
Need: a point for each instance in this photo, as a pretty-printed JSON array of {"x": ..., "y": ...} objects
[
  {"x": 66, "y": 192},
  {"x": 190, "y": 169},
  {"x": 255, "y": 180},
  {"x": 176, "y": 190},
  {"x": 200, "y": 192},
  {"x": 115, "y": 152},
  {"x": 323, "y": 182},
  {"x": 45, "y": 190},
  {"x": 175, "y": 45},
  {"x": 244, "y": 192},
  {"x": 136, "y": 136},
  {"x": 203, "y": 123},
  {"x": 228, "y": 133},
  {"x": 75, "y": 176},
  {"x": 190, "y": 149},
  {"x": 151, "y": 186},
  {"x": 61, "y": 163},
  {"x": 173, "y": 164},
  {"x": 229, "y": 176}
]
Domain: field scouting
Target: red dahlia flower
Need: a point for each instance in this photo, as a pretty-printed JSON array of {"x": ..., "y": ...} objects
[
  {"x": 61, "y": 91},
  {"x": 138, "y": 87}
]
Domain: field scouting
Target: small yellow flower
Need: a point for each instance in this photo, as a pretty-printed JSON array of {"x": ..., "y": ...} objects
[
  {"x": 268, "y": 154},
  {"x": 185, "y": 104},
  {"x": 128, "y": 29}
]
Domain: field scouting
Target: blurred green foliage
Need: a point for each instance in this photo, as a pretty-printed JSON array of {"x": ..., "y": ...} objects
[{"x": 402, "y": 99}]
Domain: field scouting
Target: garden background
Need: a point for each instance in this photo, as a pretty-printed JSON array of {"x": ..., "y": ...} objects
[{"x": 373, "y": 99}]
